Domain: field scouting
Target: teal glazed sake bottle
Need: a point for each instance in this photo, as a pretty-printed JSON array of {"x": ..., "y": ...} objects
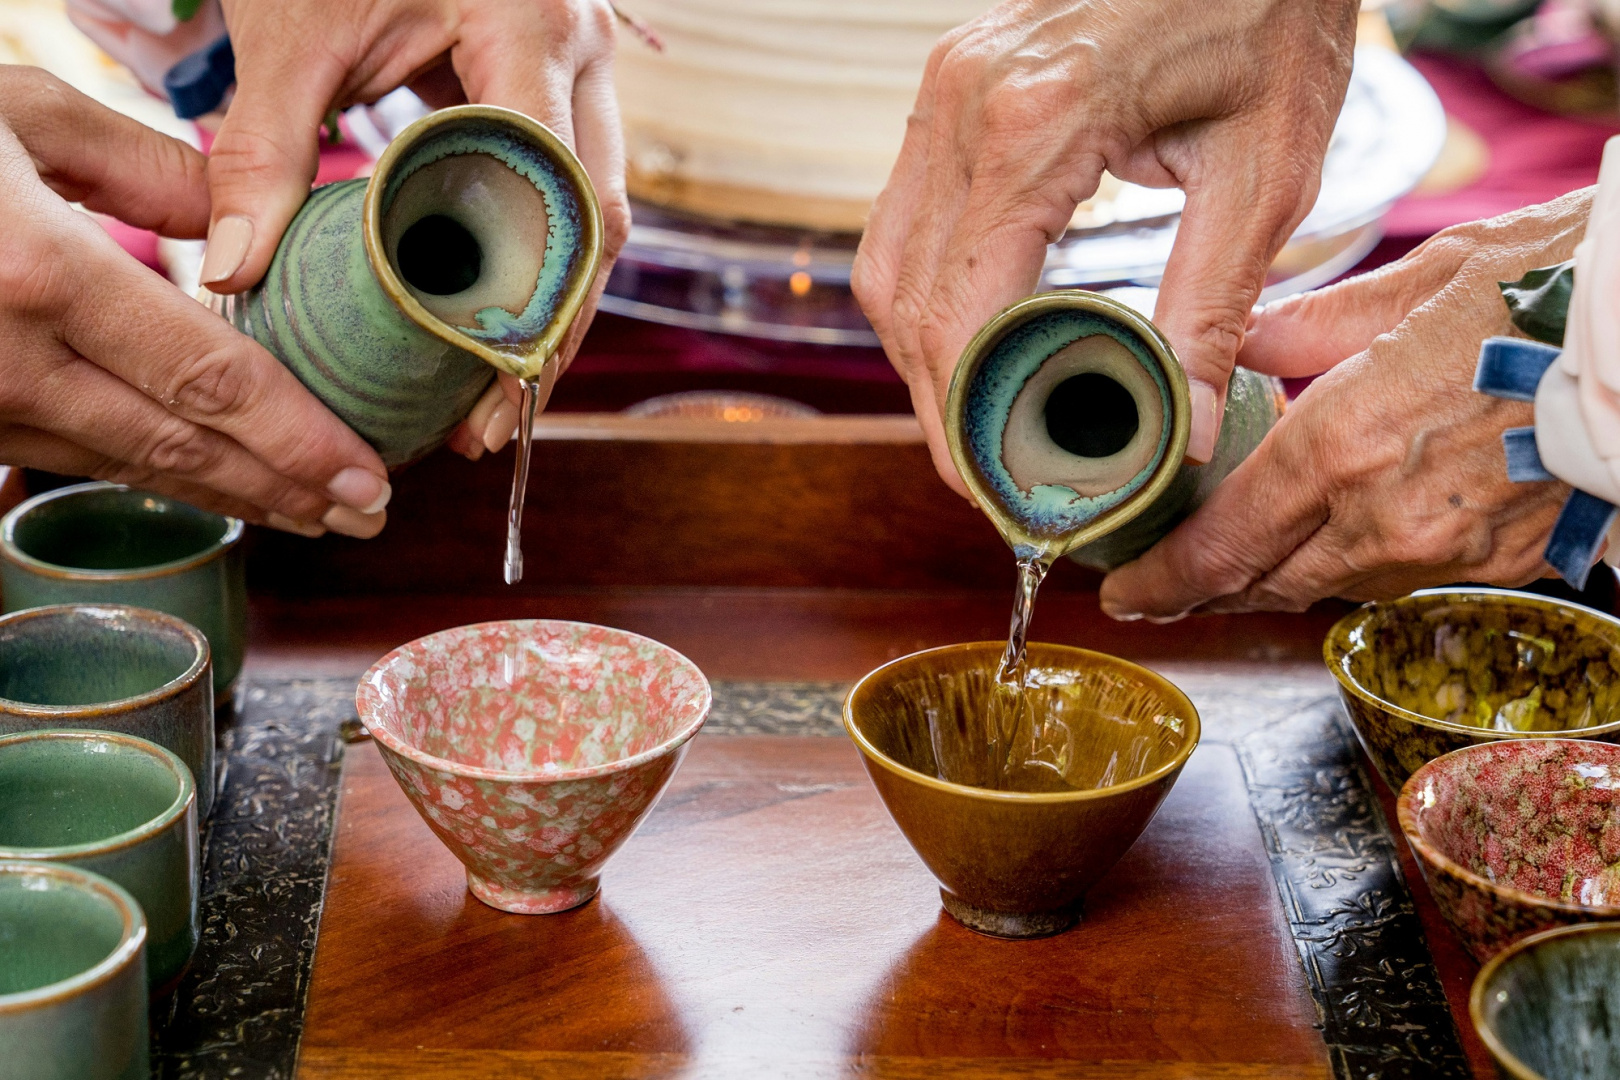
[
  {"x": 395, "y": 299},
  {"x": 1068, "y": 419}
]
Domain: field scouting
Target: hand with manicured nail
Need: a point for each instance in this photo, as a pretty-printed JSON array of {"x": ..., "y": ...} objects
[
  {"x": 1022, "y": 110},
  {"x": 109, "y": 371},
  {"x": 296, "y": 60},
  {"x": 1387, "y": 474}
]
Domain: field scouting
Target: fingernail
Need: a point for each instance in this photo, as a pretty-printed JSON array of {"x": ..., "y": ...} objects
[
  {"x": 1118, "y": 613},
  {"x": 502, "y": 423},
  {"x": 1165, "y": 620},
  {"x": 351, "y": 522},
  {"x": 1205, "y": 421},
  {"x": 310, "y": 529},
  {"x": 360, "y": 489},
  {"x": 228, "y": 243}
]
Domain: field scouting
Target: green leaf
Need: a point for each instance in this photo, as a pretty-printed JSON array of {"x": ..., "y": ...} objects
[
  {"x": 1539, "y": 301},
  {"x": 185, "y": 9}
]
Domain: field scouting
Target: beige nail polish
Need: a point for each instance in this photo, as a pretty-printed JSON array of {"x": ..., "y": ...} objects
[
  {"x": 364, "y": 490},
  {"x": 503, "y": 423},
  {"x": 351, "y": 522},
  {"x": 310, "y": 529},
  {"x": 228, "y": 243},
  {"x": 1205, "y": 423}
]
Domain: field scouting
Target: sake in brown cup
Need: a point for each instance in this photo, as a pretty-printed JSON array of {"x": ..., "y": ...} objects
[
  {"x": 1517, "y": 836},
  {"x": 1019, "y": 863},
  {"x": 1447, "y": 668}
]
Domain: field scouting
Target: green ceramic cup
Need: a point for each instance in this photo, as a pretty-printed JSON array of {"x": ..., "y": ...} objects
[
  {"x": 117, "y": 806},
  {"x": 111, "y": 668},
  {"x": 72, "y": 976},
  {"x": 109, "y": 544}
]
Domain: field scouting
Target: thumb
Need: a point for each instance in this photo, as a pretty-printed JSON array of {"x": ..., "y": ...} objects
[
  {"x": 1309, "y": 333},
  {"x": 114, "y": 165},
  {"x": 1232, "y": 226},
  {"x": 261, "y": 166}
]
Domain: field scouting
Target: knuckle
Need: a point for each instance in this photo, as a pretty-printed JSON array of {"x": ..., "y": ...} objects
[
  {"x": 35, "y": 276},
  {"x": 210, "y": 385},
  {"x": 181, "y": 448}
]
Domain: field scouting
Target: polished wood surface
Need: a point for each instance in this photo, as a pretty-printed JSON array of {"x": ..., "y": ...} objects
[
  {"x": 769, "y": 920},
  {"x": 780, "y": 634}
]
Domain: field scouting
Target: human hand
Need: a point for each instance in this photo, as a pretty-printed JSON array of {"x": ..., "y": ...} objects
[
  {"x": 1387, "y": 474},
  {"x": 109, "y": 371},
  {"x": 1019, "y": 113},
  {"x": 298, "y": 59}
]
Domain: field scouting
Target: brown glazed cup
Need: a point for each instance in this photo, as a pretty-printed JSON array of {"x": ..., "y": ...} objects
[
  {"x": 1019, "y": 863},
  {"x": 1447, "y": 668}
]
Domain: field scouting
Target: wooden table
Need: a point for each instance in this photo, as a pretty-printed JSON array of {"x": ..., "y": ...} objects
[{"x": 769, "y": 920}]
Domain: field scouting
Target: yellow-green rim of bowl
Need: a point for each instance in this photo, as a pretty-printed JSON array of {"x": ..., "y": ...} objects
[
  {"x": 980, "y": 346},
  {"x": 1333, "y": 655},
  {"x": 1476, "y": 995},
  {"x": 1427, "y": 851},
  {"x": 1190, "y": 737}
]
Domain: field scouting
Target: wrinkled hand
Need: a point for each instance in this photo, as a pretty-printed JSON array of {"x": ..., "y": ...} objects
[
  {"x": 298, "y": 59},
  {"x": 108, "y": 370},
  {"x": 1387, "y": 475},
  {"x": 1020, "y": 112}
]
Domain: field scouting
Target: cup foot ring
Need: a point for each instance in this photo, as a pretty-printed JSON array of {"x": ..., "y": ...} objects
[
  {"x": 526, "y": 902},
  {"x": 1009, "y": 924}
]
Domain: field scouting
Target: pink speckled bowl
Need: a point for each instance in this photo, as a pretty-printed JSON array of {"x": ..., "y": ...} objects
[
  {"x": 1517, "y": 836},
  {"x": 532, "y": 747}
]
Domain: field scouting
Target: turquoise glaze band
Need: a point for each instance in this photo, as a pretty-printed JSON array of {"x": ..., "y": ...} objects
[
  {"x": 1047, "y": 509},
  {"x": 499, "y": 327}
]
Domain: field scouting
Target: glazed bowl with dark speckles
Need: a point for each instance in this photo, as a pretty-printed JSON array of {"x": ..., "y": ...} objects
[
  {"x": 1018, "y": 863},
  {"x": 1447, "y": 668},
  {"x": 1549, "y": 1007},
  {"x": 1517, "y": 836}
]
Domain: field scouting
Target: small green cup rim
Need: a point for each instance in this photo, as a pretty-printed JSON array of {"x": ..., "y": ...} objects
[
  {"x": 234, "y": 531},
  {"x": 1333, "y": 655},
  {"x": 1506, "y": 1058},
  {"x": 201, "y": 663},
  {"x": 129, "y": 948},
  {"x": 184, "y": 800}
]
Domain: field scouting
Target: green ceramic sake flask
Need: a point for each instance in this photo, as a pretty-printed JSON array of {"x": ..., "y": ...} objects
[
  {"x": 395, "y": 299},
  {"x": 1068, "y": 418}
]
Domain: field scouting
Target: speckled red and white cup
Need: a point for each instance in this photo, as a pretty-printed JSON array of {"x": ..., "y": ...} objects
[{"x": 533, "y": 747}]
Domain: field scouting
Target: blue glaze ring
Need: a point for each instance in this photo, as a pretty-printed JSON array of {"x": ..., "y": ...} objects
[{"x": 1047, "y": 508}]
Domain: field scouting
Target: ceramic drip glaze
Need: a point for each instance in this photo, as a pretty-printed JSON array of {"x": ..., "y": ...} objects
[
  {"x": 1549, "y": 1009},
  {"x": 1447, "y": 668},
  {"x": 400, "y": 360},
  {"x": 1517, "y": 836},
  {"x": 1001, "y": 385},
  {"x": 533, "y": 748},
  {"x": 1019, "y": 863}
]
